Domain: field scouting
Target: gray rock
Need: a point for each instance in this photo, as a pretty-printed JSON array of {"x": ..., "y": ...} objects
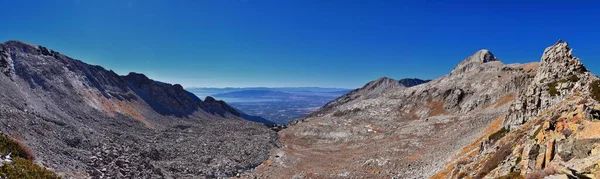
[{"x": 78, "y": 118}]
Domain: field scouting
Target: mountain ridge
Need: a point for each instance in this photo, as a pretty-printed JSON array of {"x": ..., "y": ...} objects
[
  {"x": 397, "y": 131},
  {"x": 85, "y": 121}
]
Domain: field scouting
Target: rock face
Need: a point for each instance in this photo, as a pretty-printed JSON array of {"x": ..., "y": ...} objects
[
  {"x": 559, "y": 75},
  {"x": 84, "y": 121},
  {"x": 387, "y": 130},
  {"x": 480, "y": 57},
  {"x": 549, "y": 131}
]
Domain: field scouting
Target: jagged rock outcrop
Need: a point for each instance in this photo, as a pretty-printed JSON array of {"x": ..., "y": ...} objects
[
  {"x": 399, "y": 132},
  {"x": 560, "y": 75},
  {"x": 550, "y": 131},
  {"x": 84, "y": 121}
]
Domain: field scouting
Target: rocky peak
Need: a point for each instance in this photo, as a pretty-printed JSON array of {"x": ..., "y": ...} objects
[
  {"x": 558, "y": 62},
  {"x": 383, "y": 81},
  {"x": 559, "y": 75},
  {"x": 137, "y": 78},
  {"x": 478, "y": 58},
  {"x": 209, "y": 99}
]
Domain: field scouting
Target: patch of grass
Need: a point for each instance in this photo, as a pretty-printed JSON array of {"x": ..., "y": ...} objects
[
  {"x": 498, "y": 134},
  {"x": 22, "y": 165},
  {"x": 513, "y": 175},
  {"x": 519, "y": 159},
  {"x": 552, "y": 88},
  {"x": 25, "y": 169},
  {"x": 15, "y": 148},
  {"x": 595, "y": 89}
]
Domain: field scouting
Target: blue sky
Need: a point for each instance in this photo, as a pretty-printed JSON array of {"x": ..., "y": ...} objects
[{"x": 328, "y": 43}]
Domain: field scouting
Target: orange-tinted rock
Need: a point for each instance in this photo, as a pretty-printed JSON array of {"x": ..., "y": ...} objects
[
  {"x": 549, "y": 152},
  {"x": 541, "y": 158}
]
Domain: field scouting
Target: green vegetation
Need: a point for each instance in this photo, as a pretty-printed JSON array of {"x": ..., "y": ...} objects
[
  {"x": 552, "y": 88},
  {"x": 595, "y": 90},
  {"x": 519, "y": 159},
  {"x": 552, "y": 85},
  {"x": 22, "y": 165},
  {"x": 498, "y": 134},
  {"x": 15, "y": 148},
  {"x": 513, "y": 175},
  {"x": 25, "y": 169}
]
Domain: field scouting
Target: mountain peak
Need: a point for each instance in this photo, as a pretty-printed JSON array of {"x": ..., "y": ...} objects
[
  {"x": 480, "y": 57},
  {"x": 558, "y": 62}
]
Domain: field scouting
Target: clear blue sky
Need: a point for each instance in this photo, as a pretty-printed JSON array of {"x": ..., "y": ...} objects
[{"x": 329, "y": 43}]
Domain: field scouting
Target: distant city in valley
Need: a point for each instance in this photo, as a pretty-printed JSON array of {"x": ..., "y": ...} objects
[{"x": 278, "y": 105}]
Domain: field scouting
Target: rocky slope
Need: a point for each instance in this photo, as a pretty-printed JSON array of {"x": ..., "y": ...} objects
[
  {"x": 552, "y": 129},
  {"x": 385, "y": 130},
  {"x": 84, "y": 121},
  {"x": 370, "y": 90}
]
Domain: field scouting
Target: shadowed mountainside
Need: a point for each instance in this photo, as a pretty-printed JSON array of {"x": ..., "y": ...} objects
[{"x": 84, "y": 121}]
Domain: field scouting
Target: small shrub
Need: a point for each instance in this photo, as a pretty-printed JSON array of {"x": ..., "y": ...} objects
[
  {"x": 552, "y": 88},
  {"x": 519, "y": 159},
  {"x": 498, "y": 134},
  {"x": 15, "y": 148},
  {"x": 25, "y": 169},
  {"x": 22, "y": 165}
]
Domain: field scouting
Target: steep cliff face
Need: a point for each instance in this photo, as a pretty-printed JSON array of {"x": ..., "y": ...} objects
[
  {"x": 85, "y": 121},
  {"x": 559, "y": 76},
  {"x": 400, "y": 132},
  {"x": 551, "y": 130}
]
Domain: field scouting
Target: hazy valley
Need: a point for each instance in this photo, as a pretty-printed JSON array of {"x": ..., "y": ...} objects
[
  {"x": 268, "y": 89},
  {"x": 278, "y": 105}
]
